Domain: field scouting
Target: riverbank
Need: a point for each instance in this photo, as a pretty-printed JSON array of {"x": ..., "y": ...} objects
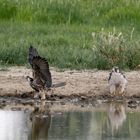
[{"x": 88, "y": 83}]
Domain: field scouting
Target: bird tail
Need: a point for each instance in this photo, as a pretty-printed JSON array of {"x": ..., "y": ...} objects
[{"x": 61, "y": 84}]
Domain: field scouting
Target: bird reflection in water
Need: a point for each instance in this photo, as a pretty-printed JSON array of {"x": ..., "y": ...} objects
[
  {"x": 41, "y": 120},
  {"x": 116, "y": 115}
]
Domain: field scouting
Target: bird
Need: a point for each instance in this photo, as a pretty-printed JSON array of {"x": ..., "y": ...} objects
[
  {"x": 42, "y": 78},
  {"x": 117, "y": 82}
]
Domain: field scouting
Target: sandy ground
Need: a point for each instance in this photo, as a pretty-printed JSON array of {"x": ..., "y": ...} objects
[{"x": 85, "y": 82}]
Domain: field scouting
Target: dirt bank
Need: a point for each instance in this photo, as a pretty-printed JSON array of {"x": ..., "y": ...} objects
[
  {"x": 89, "y": 83},
  {"x": 82, "y": 88}
]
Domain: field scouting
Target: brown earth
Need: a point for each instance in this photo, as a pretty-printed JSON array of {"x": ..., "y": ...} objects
[
  {"x": 86, "y": 88},
  {"x": 81, "y": 83}
]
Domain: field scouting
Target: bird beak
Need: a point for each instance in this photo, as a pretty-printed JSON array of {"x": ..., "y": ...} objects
[{"x": 27, "y": 78}]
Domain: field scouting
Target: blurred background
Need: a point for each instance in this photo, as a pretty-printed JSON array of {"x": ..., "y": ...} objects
[{"x": 74, "y": 34}]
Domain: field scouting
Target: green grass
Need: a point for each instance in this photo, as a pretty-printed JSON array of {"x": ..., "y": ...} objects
[{"x": 61, "y": 30}]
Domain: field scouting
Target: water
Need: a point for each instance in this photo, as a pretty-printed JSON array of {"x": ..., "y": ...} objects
[{"x": 112, "y": 122}]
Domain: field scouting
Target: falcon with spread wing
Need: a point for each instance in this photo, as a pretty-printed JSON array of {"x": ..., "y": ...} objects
[{"x": 41, "y": 73}]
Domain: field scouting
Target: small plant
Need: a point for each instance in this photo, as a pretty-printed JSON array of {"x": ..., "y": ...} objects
[
  {"x": 110, "y": 45},
  {"x": 114, "y": 48}
]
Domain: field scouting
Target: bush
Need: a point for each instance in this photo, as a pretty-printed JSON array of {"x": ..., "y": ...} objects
[{"x": 113, "y": 49}]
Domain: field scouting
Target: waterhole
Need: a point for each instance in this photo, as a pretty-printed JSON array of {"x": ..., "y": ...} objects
[{"x": 111, "y": 121}]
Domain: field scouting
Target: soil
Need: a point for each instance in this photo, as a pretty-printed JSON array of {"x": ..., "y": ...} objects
[{"x": 82, "y": 88}]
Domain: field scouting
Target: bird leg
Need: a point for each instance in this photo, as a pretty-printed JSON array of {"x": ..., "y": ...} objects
[
  {"x": 112, "y": 90},
  {"x": 42, "y": 94},
  {"x": 36, "y": 95},
  {"x": 121, "y": 90},
  {"x": 42, "y": 106}
]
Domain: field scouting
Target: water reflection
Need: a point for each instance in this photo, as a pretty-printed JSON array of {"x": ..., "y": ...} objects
[
  {"x": 40, "y": 121},
  {"x": 120, "y": 124},
  {"x": 40, "y": 127},
  {"x": 114, "y": 122},
  {"x": 117, "y": 116}
]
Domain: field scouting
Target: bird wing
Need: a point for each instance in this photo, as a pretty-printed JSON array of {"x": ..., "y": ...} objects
[
  {"x": 123, "y": 74},
  {"x": 110, "y": 74},
  {"x": 32, "y": 53},
  {"x": 41, "y": 68}
]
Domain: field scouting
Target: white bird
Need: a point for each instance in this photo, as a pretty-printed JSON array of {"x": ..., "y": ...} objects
[{"x": 117, "y": 81}]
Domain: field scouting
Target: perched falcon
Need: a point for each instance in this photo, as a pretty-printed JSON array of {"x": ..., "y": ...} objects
[
  {"x": 117, "y": 81},
  {"x": 41, "y": 74}
]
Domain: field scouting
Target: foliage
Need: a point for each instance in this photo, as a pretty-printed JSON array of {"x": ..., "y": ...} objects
[{"x": 61, "y": 31}]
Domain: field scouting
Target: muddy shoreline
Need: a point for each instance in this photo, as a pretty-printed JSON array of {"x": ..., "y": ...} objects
[
  {"x": 65, "y": 102},
  {"x": 82, "y": 88}
]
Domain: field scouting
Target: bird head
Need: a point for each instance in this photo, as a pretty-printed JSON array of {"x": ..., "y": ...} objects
[
  {"x": 116, "y": 69},
  {"x": 29, "y": 79}
]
